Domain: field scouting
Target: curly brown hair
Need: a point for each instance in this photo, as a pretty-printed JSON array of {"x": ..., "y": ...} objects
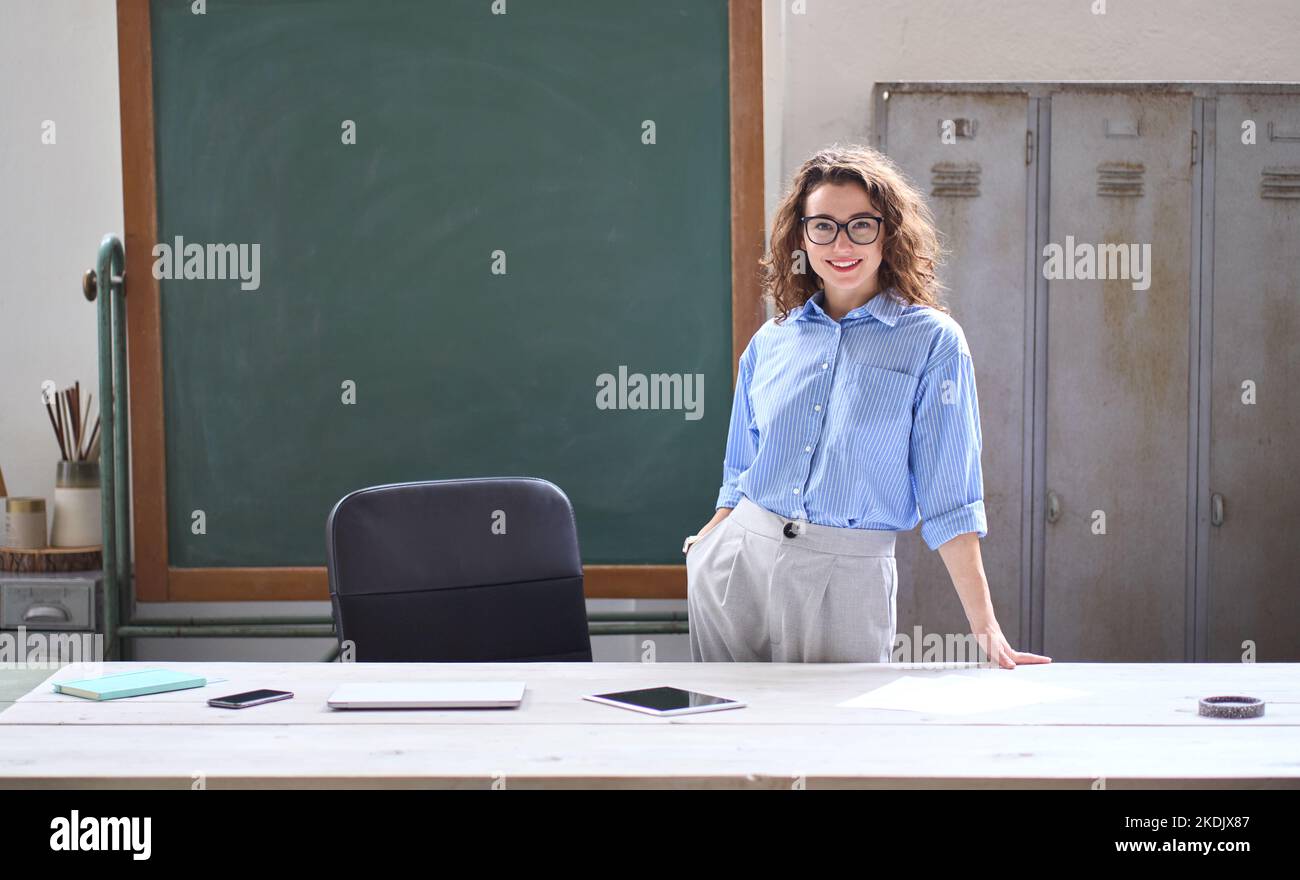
[{"x": 911, "y": 249}]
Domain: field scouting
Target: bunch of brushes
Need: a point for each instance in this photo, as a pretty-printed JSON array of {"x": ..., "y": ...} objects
[{"x": 70, "y": 425}]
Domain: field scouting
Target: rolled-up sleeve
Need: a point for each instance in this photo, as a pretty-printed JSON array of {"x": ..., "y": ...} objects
[
  {"x": 742, "y": 435},
  {"x": 945, "y": 452}
]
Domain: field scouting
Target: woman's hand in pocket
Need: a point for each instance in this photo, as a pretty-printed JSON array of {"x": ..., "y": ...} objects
[{"x": 723, "y": 513}]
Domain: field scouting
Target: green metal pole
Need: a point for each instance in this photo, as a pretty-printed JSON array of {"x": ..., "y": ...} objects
[
  {"x": 109, "y": 248},
  {"x": 618, "y": 617},
  {"x": 326, "y": 631},
  {"x": 623, "y": 616},
  {"x": 121, "y": 422},
  {"x": 146, "y": 630}
]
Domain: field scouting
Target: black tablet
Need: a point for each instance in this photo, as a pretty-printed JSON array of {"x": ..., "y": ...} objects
[{"x": 665, "y": 701}]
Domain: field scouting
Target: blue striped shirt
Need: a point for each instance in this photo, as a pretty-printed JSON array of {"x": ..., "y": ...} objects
[{"x": 869, "y": 422}]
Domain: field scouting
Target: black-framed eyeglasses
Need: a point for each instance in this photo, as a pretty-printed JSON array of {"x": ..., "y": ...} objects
[{"x": 863, "y": 229}]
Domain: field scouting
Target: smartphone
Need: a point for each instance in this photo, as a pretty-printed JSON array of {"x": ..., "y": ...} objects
[{"x": 248, "y": 698}]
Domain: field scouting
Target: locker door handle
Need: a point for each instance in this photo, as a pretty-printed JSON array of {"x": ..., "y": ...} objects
[
  {"x": 1053, "y": 506},
  {"x": 1216, "y": 509}
]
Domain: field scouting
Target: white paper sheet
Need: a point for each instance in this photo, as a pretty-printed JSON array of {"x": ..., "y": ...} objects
[{"x": 959, "y": 694}]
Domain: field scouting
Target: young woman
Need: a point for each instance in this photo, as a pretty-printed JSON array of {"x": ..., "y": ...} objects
[{"x": 855, "y": 410}]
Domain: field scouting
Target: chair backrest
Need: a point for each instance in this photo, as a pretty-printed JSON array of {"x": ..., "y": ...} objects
[{"x": 473, "y": 570}]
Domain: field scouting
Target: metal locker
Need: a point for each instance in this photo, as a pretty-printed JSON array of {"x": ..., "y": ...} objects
[
  {"x": 1249, "y": 502},
  {"x": 975, "y": 181},
  {"x": 1117, "y": 396}
]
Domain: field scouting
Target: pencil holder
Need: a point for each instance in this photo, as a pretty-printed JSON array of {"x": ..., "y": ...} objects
[{"x": 77, "y": 520}]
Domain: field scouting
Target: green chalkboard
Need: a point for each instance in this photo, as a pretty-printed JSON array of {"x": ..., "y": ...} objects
[{"x": 483, "y": 142}]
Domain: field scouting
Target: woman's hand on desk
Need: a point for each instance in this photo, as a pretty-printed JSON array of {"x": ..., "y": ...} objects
[
  {"x": 994, "y": 644},
  {"x": 962, "y": 556}
]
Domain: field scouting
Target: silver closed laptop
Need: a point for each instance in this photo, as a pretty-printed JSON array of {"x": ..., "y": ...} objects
[{"x": 428, "y": 695}]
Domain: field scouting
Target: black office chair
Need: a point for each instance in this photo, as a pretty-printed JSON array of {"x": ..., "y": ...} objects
[{"x": 473, "y": 570}]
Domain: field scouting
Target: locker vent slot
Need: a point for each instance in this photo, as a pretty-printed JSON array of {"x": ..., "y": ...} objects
[
  {"x": 959, "y": 179},
  {"x": 1280, "y": 183},
  {"x": 1280, "y": 131},
  {"x": 1121, "y": 128},
  {"x": 1120, "y": 179},
  {"x": 962, "y": 128}
]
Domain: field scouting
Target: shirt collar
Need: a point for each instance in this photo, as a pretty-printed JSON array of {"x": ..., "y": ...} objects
[{"x": 885, "y": 306}]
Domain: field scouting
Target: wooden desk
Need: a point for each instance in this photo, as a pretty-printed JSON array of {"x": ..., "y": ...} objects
[{"x": 1137, "y": 727}]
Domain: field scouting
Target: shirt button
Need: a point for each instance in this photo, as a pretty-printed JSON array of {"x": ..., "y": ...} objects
[
  {"x": 796, "y": 491},
  {"x": 824, "y": 366},
  {"x": 817, "y": 407},
  {"x": 807, "y": 449}
]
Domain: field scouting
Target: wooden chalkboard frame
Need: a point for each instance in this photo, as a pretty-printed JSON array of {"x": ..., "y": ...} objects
[{"x": 155, "y": 579}]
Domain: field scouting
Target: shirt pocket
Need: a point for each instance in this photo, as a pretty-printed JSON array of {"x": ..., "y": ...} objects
[{"x": 877, "y": 407}]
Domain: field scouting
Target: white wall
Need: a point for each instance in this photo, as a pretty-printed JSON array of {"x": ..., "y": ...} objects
[
  {"x": 58, "y": 62},
  {"x": 852, "y": 45}
]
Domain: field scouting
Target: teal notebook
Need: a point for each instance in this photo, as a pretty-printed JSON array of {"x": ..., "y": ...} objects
[{"x": 129, "y": 684}]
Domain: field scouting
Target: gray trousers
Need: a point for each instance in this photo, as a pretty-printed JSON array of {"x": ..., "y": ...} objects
[{"x": 760, "y": 587}]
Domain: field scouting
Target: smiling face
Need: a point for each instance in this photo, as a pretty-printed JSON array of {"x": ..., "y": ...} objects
[{"x": 842, "y": 202}]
